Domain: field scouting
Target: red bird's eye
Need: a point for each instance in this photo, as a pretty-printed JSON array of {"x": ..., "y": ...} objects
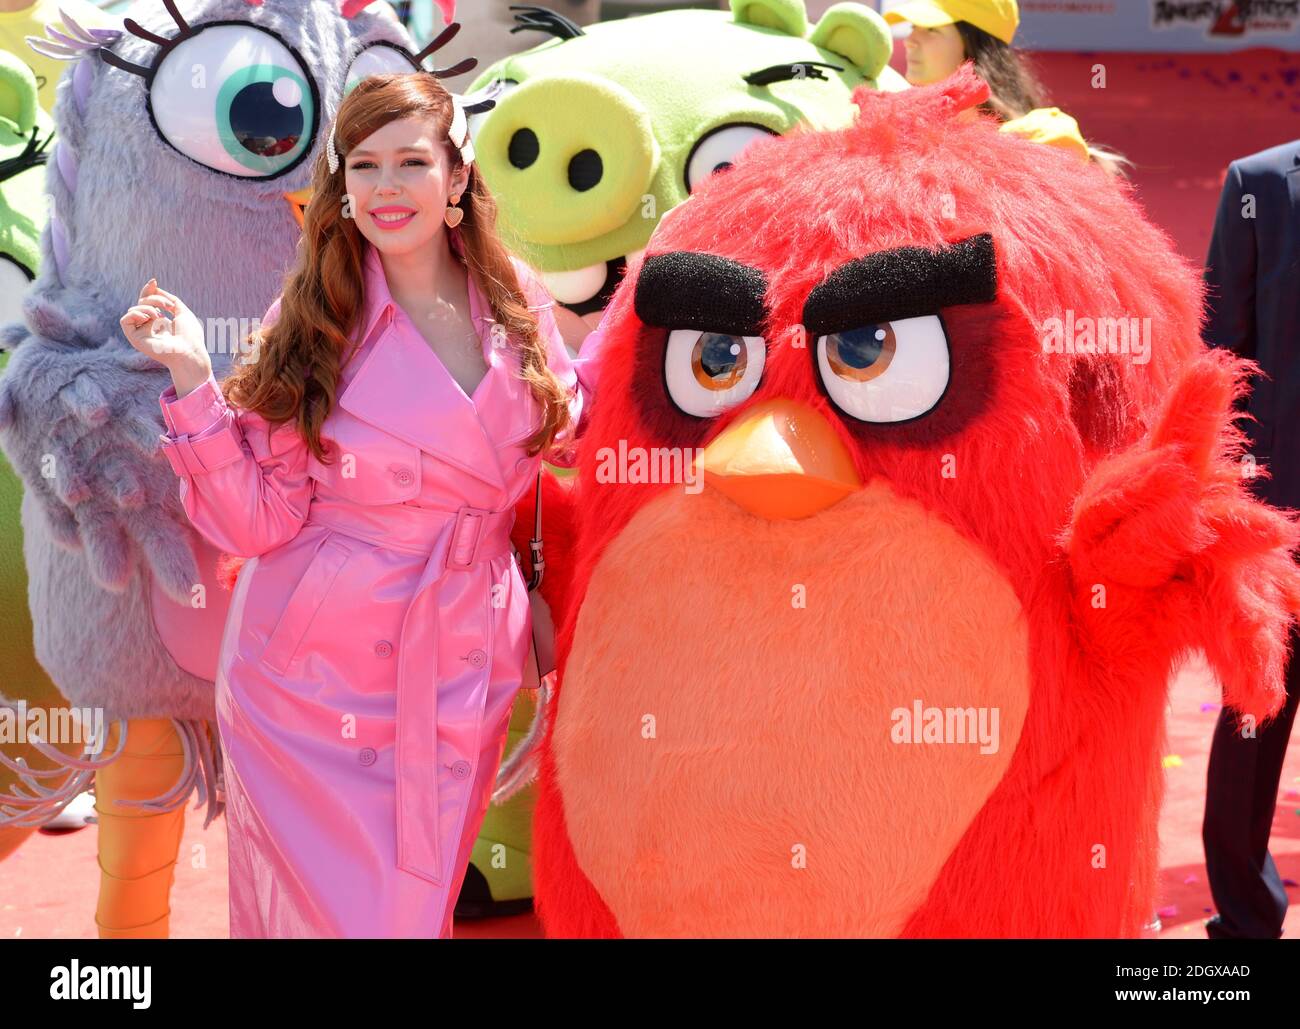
[
  {"x": 860, "y": 355},
  {"x": 886, "y": 371},
  {"x": 709, "y": 372},
  {"x": 719, "y": 360}
]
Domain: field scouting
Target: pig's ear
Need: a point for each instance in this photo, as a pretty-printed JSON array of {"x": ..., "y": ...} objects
[
  {"x": 788, "y": 16},
  {"x": 856, "y": 33}
]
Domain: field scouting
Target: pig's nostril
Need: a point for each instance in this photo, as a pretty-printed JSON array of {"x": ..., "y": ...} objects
[
  {"x": 585, "y": 170},
  {"x": 524, "y": 148}
]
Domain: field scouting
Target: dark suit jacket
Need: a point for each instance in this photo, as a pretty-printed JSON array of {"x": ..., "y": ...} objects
[{"x": 1253, "y": 278}]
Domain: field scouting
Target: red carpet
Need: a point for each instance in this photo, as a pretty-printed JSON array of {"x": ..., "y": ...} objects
[
  {"x": 1181, "y": 119},
  {"x": 1185, "y": 895},
  {"x": 48, "y": 887}
]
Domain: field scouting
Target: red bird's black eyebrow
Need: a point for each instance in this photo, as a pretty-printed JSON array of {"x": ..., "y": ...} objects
[
  {"x": 685, "y": 290},
  {"x": 907, "y": 282}
]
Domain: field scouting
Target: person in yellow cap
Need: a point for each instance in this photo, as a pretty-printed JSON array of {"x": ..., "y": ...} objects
[
  {"x": 22, "y": 18},
  {"x": 947, "y": 32}
]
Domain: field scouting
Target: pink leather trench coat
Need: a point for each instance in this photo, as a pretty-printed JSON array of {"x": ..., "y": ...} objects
[{"x": 377, "y": 638}]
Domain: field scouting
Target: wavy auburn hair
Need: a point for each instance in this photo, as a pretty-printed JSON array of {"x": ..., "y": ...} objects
[{"x": 294, "y": 376}]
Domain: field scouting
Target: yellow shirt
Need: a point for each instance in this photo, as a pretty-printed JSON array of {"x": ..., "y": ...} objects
[{"x": 31, "y": 21}]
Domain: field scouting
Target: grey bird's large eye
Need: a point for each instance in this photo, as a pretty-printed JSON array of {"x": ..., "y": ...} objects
[
  {"x": 378, "y": 59},
  {"x": 887, "y": 372},
  {"x": 236, "y": 99},
  {"x": 709, "y": 372}
]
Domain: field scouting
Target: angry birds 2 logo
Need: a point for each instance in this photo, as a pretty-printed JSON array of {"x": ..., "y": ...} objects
[{"x": 1229, "y": 17}]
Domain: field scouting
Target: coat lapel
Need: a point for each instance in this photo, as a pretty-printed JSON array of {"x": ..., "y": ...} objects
[
  {"x": 397, "y": 383},
  {"x": 1293, "y": 178}
]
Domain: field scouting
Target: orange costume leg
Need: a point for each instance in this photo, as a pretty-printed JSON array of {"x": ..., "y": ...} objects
[{"x": 137, "y": 847}]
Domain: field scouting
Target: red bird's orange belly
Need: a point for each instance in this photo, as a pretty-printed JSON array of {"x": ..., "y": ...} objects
[{"x": 783, "y": 728}]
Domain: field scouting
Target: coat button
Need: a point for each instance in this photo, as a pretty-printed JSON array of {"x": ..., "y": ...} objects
[
  {"x": 404, "y": 476},
  {"x": 461, "y": 769},
  {"x": 477, "y": 658},
  {"x": 367, "y": 756},
  {"x": 524, "y": 464},
  {"x": 383, "y": 649}
]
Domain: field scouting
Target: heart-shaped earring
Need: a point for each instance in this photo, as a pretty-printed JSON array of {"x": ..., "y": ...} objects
[{"x": 453, "y": 215}]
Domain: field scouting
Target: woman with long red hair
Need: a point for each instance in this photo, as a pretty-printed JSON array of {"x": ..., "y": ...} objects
[{"x": 366, "y": 455}]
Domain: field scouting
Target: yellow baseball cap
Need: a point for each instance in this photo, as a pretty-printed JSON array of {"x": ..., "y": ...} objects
[
  {"x": 1052, "y": 127},
  {"x": 996, "y": 17}
]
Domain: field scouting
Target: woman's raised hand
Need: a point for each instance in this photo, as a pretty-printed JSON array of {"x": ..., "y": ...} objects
[{"x": 176, "y": 343}]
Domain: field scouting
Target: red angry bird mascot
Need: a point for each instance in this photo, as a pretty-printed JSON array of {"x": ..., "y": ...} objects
[{"x": 908, "y": 484}]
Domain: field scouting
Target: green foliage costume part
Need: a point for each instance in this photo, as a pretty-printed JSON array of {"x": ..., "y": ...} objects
[
  {"x": 26, "y": 132},
  {"x": 25, "y": 135}
]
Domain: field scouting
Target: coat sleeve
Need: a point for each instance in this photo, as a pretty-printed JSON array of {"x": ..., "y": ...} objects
[
  {"x": 1230, "y": 273},
  {"x": 243, "y": 482},
  {"x": 565, "y": 368}
]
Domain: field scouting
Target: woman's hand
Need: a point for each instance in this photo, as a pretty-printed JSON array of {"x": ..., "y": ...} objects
[{"x": 176, "y": 343}]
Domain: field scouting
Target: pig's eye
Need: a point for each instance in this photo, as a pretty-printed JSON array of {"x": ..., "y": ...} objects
[
  {"x": 717, "y": 150},
  {"x": 888, "y": 371},
  {"x": 709, "y": 372}
]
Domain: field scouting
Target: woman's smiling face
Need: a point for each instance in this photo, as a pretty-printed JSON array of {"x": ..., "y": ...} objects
[{"x": 400, "y": 179}]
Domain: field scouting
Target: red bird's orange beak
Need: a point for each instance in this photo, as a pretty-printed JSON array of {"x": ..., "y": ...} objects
[
  {"x": 297, "y": 202},
  {"x": 782, "y": 460}
]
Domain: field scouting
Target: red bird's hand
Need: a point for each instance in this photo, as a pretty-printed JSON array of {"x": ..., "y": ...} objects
[{"x": 1168, "y": 534}]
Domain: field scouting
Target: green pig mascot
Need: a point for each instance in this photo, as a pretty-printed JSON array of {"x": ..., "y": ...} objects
[
  {"x": 604, "y": 129},
  {"x": 26, "y": 133}
]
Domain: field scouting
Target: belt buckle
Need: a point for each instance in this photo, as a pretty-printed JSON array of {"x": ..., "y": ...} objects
[{"x": 461, "y": 515}]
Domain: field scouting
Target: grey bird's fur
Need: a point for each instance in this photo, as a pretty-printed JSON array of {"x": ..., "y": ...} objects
[{"x": 79, "y": 415}]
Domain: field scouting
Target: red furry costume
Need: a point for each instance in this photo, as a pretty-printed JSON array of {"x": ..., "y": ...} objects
[{"x": 1049, "y": 540}]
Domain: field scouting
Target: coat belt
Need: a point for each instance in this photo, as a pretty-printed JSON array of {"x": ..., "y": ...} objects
[{"x": 457, "y": 543}]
